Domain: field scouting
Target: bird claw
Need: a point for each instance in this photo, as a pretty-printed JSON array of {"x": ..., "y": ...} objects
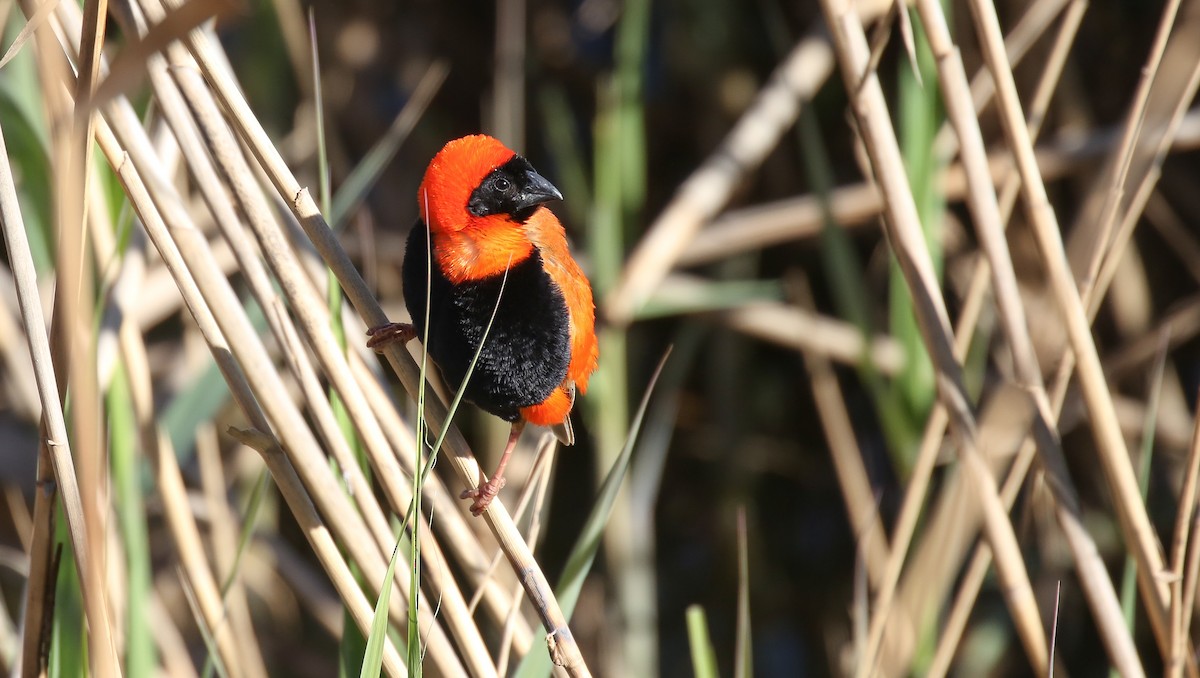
[
  {"x": 391, "y": 333},
  {"x": 483, "y": 495}
]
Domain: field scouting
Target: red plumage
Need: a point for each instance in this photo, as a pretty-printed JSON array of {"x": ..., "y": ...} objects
[{"x": 496, "y": 247}]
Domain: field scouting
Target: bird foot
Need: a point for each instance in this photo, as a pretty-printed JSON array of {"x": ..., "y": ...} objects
[
  {"x": 391, "y": 333},
  {"x": 483, "y": 495}
]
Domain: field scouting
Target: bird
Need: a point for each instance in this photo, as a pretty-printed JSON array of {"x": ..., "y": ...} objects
[{"x": 487, "y": 251}]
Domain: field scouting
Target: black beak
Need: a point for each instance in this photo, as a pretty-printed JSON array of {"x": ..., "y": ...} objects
[{"x": 537, "y": 190}]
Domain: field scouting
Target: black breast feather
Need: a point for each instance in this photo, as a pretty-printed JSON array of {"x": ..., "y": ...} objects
[{"x": 528, "y": 348}]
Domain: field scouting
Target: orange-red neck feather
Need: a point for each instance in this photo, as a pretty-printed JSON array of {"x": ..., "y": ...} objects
[{"x": 468, "y": 247}]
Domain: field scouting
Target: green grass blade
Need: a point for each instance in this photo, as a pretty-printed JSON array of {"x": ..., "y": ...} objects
[
  {"x": 68, "y": 638},
  {"x": 352, "y": 647},
  {"x": 140, "y": 648},
  {"x": 27, "y": 143},
  {"x": 846, "y": 279},
  {"x": 707, "y": 296},
  {"x": 920, "y": 117},
  {"x": 355, "y": 187},
  {"x": 202, "y": 398},
  {"x": 579, "y": 562},
  {"x": 566, "y": 150},
  {"x": 212, "y": 660},
  {"x": 373, "y": 657},
  {"x": 1129, "y": 576},
  {"x": 704, "y": 657}
]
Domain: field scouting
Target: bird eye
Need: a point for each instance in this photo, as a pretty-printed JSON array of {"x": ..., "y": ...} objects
[{"x": 501, "y": 184}]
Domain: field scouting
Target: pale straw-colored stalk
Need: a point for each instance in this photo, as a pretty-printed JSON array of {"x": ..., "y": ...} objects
[
  {"x": 989, "y": 222},
  {"x": 1131, "y": 512},
  {"x": 905, "y": 235}
]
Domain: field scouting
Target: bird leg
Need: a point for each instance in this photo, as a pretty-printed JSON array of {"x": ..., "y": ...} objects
[
  {"x": 391, "y": 333},
  {"x": 484, "y": 494}
]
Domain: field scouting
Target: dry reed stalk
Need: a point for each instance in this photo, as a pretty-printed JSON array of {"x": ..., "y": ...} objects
[
  {"x": 563, "y": 648},
  {"x": 1139, "y": 534},
  {"x": 223, "y": 541},
  {"x": 536, "y": 490},
  {"x": 528, "y": 494},
  {"x": 856, "y": 205},
  {"x": 73, "y": 271},
  {"x": 905, "y": 236},
  {"x": 1184, "y": 518},
  {"x": 202, "y": 580},
  {"x": 862, "y": 505},
  {"x": 1134, "y": 123},
  {"x": 176, "y": 660},
  {"x": 989, "y": 222},
  {"x": 1105, "y": 271},
  {"x": 973, "y": 580},
  {"x": 141, "y": 393},
  {"x": 439, "y": 649},
  {"x": 1191, "y": 573},
  {"x": 56, "y": 472},
  {"x": 814, "y": 334},
  {"x": 240, "y": 387},
  {"x": 759, "y": 229},
  {"x": 195, "y": 566},
  {"x": 73, "y": 359},
  {"x": 1033, "y": 24},
  {"x": 305, "y": 303},
  {"x": 298, "y": 500},
  {"x": 796, "y": 80},
  {"x": 199, "y": 263}
]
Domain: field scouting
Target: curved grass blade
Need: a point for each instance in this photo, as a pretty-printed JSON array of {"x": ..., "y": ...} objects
[
  {"x": 579, "y": 563},
  {"x": 704, "y": 657},
  {"x": 373, "y": 658},
  {"x": 360, "y": 181}
]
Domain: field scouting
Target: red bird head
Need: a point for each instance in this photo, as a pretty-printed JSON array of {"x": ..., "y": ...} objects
[{"x": 478, "y": 182}]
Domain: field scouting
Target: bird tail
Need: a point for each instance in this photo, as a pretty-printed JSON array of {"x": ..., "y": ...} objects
[
  {"x": 555, "y": 412},
  {"x": 564, "y": 431}
]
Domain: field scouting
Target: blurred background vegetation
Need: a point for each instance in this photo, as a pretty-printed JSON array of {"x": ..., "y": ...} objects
[{"x": 619, "y": 103}]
